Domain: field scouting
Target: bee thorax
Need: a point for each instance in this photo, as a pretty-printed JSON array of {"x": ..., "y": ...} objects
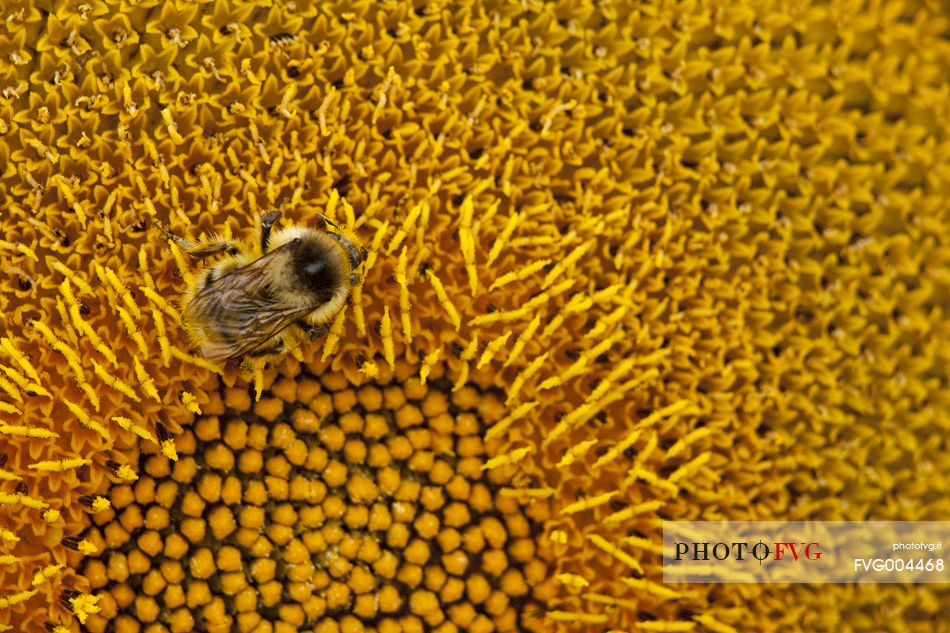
[{"x": 320, "y": 268}]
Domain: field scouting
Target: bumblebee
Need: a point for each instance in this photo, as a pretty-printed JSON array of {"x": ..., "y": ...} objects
[{"x": 265, "y": 299}]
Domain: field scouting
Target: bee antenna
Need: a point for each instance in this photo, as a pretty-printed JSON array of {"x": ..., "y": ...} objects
[
  {"x": 156, "y": 224},
  {"x": 168, "y": 234},
  {"x": 328, "y": 220},
  {"x": 270, "y": 217}
]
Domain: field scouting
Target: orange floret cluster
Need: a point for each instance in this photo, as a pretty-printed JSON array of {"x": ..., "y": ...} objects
[
  {"x": 367, "y": 507},
  {"x": 627, "y": 263}
]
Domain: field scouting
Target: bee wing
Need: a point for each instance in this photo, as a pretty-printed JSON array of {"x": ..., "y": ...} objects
[{"x": 241, "y": 311}]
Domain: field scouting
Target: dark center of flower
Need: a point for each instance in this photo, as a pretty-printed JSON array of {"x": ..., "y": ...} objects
[{"x": 323, "y": 505}]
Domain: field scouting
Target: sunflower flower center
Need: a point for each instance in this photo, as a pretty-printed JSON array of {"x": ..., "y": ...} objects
[{"x": 324, "y": 505}]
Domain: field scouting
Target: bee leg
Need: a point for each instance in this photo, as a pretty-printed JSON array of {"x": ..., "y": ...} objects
[
  {"x": 200, "y": 249},
  {"x": 267, "y": 222},
  {"x": 206, "y": 278},
  {"x": 313, "y": 331},
  {"x": 262, "y": 352},
  {"x": 355, "y": 279}
]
